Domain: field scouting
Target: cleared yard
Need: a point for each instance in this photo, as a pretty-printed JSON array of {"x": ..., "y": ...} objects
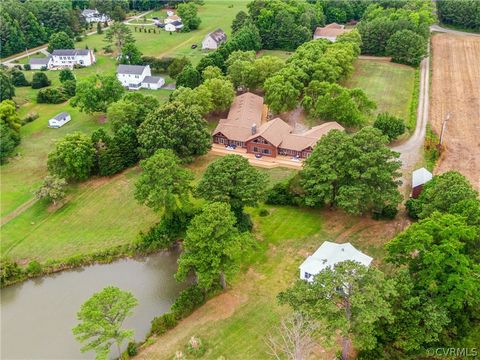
[
  {"x": 235, "y": 324},
  {"x": 389, "y": 85},
  {"x": 162, "y": 43},
  {"x": 456, "y": 91}
]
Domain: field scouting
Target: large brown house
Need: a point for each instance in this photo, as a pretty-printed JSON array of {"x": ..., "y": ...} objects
[{"x": 245, "y": 127}]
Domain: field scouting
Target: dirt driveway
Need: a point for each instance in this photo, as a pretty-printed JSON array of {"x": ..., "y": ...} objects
[{"x": 456, "y": 91}]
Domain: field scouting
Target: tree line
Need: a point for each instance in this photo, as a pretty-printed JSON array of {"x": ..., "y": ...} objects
[{"x": 464, "y": 14}]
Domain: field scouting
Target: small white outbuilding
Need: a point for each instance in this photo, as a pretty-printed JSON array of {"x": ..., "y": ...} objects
[
  {"x": 419, "y": 178},
  {"x": 329, "y": 254},
  {"x": 59, "y": 120}
]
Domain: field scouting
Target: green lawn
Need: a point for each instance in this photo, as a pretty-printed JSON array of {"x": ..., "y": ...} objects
[
  {"x": 389, "y": 85},
  {"x": 278, "y": 53},
  {"x": 286, "y": 236},
  {"x": 214, "y": 14}
]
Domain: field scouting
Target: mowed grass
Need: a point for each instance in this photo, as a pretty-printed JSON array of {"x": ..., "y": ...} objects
[
  {"x": 285, "y": 236},
  {"x": 98, "y": 214},
  {"x": 214, "y": 14},
  {"x": 389, "y": 85}
]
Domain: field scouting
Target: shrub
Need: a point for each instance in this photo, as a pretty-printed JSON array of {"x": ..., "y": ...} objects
[
  {"x": 18, "y": 78},
  {"x": 132, "y": 349},
  {"x": 389, "y": 125},
  {"x": 280, "y": 194},
  {"x": 9, "y": 271},
  {"x": 388, "y": 212},
  {"x": 195, "y": 347},
  {"x": 40, "y": 80},
  {"x": 69, "y": 88},
  {"x": 27, "y": 67},
  {"x": 263, "y": 212},
  {"x": 161, "y": 324},
  {"x": 34, "y": 268},
  {"x": 66, "y": 74},
  {"x": 169, "y": 229},
  {"x": 50, "y": 96},
  {"x": 30, "y": 117},
  {"x": 413, "y": 207},
  {"x": 187, "y": 301}
]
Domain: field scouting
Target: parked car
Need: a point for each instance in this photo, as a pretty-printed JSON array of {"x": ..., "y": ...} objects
[
  {"x": 258, "y": 156},
  {"x": 194, "y": 46},
  {"x": 155, "y": 18}
]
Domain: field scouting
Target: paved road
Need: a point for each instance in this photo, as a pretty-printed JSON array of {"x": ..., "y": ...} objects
[
  {"x": 43, "y": 49},
  {"x": 438, "y": 28}
]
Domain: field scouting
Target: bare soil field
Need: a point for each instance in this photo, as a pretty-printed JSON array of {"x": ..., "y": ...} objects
[{"x": 456, "y": 91}]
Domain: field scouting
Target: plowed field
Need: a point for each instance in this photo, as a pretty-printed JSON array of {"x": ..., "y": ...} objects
[{"x": 456, "y": 91}]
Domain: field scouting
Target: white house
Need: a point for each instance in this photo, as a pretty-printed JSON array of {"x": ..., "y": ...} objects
[
  {"x": 173, "y": 26},
  {"x": 170, "y": 13},
  {"x": 40, "y": 63},
  {"x": 68, "y": 58},
  {"x": 134, "y": 77},
  {"x": 171, "y": 18},
  {"x": 59, "y": 120},
  {"x": 329, "y": 254},
  {"x": 92, "y": 15},
  {"x": 213, "y": 40}
]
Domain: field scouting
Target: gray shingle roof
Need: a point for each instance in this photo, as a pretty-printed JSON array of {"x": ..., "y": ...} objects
[
  {"x": 39, "y": 61},
  {"x": 218, "y": 35},
  {"x": 61, "y": 116},
  {"x": 130, "y": 69},
  {"x": 151, "y": 79},
  {"x": 70, "y": 52}
]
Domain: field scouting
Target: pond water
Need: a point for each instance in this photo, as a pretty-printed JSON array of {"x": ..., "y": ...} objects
[{"x": 37, "y": 316}]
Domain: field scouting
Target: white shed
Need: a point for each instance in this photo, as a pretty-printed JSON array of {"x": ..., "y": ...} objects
[
  {"x": 329, "y": 254},
  {"x": 59, "y": 120},
  {"x": 214, "y": 39},
  {"x": 153, "y": 82},
  {"x": 419, "y": 178}
]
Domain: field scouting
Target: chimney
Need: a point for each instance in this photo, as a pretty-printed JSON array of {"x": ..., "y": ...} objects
[{"x": 254, "y": 129}]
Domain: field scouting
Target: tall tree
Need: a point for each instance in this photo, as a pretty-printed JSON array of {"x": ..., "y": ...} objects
[
  {"x": 101, "y": 318},
  {"x": 357, "y": 173},
  {"x": 119, "y": 35},
  {"x": 389, "y": 125},
  {"x": 72, "y": 158},
  {"x": 7, "y": 89},
  {"x": 189, "y": 14},
  {"x": 164, "y": 185},
  {"x": 177, "y": 127},
  {"x": 222, "y": 93},
  {"x": 60, "y": 40},
  {"x": 130, "y": 55},
  {"x": 189, "y": 77},
  {"x": 9, "y": 115},
  {"x": 211, "y": 247},
  {"x": 239, "y": 21},
  {"x": 347, "y": 300},
  {"x": 65, "y": 75},
  {"x": 233, "y": 180},
  {"x": 131, "y": 110},
  {"x": 53, "y": 189},
  {"x": 177, "y": 65},
  {"x": 283, "y": 90},
  {"x": 406, "y": 47},
  {"x": 200, "y": 98},
  {"x": 96, "y": 93}
]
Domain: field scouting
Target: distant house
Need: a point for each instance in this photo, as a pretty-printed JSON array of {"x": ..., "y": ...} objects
[
  {"x": 245, "y": 127},
  {"x": 329, "y": 254},
  {"x": 59, "y": 120},
  {"x": 419, "y": 178},
  {"x": 213, "y": 40},
  {"x": 171, "y": 18},
  {"x": 330, "y": 32},
  {"x": 134, "y": 77},
  {"x": 170, "y": 13},
  {"x": 68, "y": 58},
  {"x": 173, "y": 26},
  {"x": 92, "y": 15},
  {"x": 39, "y": 63}
]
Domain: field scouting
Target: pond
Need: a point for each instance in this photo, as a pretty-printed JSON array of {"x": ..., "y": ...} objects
[{"x": 37, "y": 316}]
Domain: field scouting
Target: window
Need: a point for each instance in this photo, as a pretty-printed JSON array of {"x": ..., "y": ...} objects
[
  {"x": 255, "y": 149},
  {"x": 266, "y": 151}
]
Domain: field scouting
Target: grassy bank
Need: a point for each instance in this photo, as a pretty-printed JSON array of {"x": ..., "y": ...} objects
[{"x": 389, "y": 85}]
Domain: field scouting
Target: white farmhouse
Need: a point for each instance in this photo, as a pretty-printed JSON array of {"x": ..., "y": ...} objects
[
  {"x": 59, "y": 120},
  {"x": 172, "y": 18},
  {"x": 173, "y": 26},
  {"x": 134, "y": 77},
  {"x": 213, "y": 40},
  {"x": 329, "y": 254},
  {"x": 68, "y": 58},
  {"x": 92, "y": 15},
  {"x": 40, "y": 63}
]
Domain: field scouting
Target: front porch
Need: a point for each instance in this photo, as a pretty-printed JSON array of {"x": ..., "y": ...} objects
[{"x": 264, "y": 162}]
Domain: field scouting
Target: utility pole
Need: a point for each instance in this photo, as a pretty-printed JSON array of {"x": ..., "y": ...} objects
[{"x": 443, "y": 128}]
